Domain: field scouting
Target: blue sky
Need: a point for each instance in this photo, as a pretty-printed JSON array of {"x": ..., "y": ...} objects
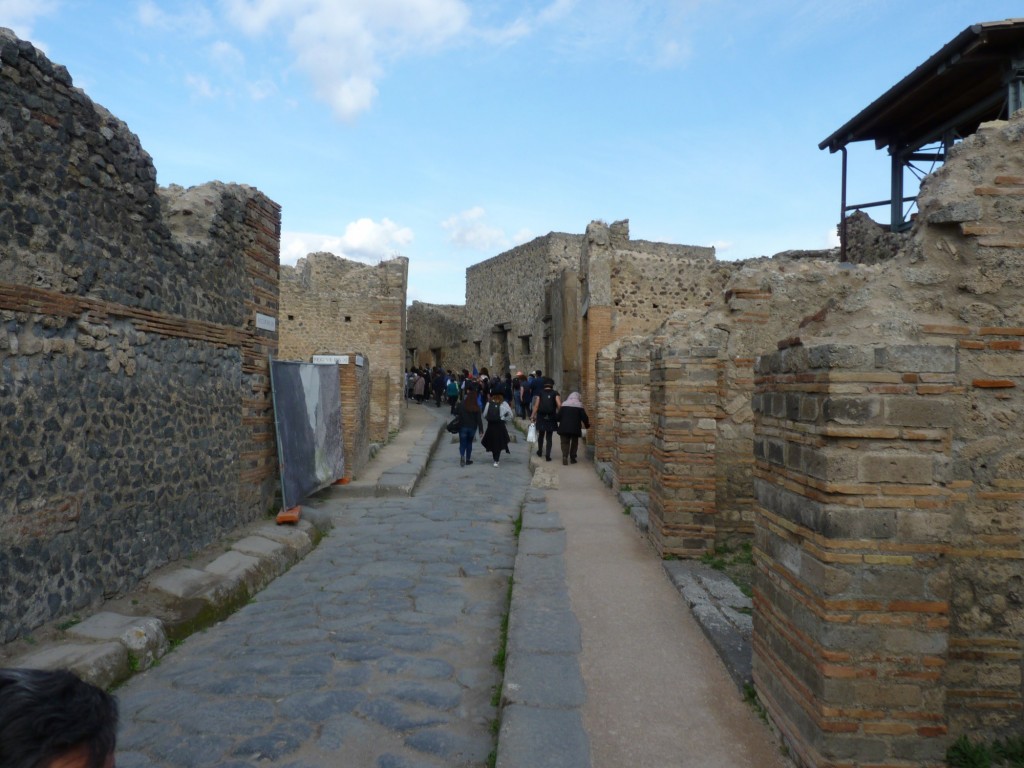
[{"x": 451, "y": 130}]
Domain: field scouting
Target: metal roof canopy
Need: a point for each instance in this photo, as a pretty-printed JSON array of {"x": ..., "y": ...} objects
[{"x": 976, "y": 77}]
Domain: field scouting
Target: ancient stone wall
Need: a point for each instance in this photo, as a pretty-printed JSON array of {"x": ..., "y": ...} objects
[
  {"x": 137, "y": 322},
  {"x": 330, "y": 305},
  {"x": 438, "y": 335},
  {"x": 888, "y": 443},
  {"x": 506, "y": 304},
  {"x": 631, "y": 286}
]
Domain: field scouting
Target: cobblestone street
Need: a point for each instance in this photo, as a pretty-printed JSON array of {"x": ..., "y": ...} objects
[{"x": 376, "y": 650}]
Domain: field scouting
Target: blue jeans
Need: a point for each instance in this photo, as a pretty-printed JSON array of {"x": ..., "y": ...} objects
[{"x": 466, "y": 442}]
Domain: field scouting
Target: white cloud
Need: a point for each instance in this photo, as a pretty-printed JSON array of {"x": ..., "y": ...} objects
[
  {"x": 469, "y": 230},
  {"x": 200, "y": 86},
  {"x": 20, "y": 15},
  {"x": 721, "y": 246},
  {"x": 832, "y": 238},
  {"x": 193, "y": 18},
  {"x": 227, "y": 56},
  {"x": 344, "y": 47},
  {"x": 364, "y": 240},
  {"x": 522, "y": 236}
]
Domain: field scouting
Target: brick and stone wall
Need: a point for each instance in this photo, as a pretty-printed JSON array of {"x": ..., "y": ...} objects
[
  {"x": 507, "y": 312},
  {"x": 630, "y": 287},
  {"x": 135, "y": 422},
  {"x": 355, "y": 389},
  {"x": 888, "y": 615},
  {"x": 330, "y": 305}
]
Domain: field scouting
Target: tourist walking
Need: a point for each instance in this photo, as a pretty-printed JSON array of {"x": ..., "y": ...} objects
[
  {"x": 496, "y": 415},
  {"x": 419, "y": 387},
  {"x": 470, "y": 422},
  {"x": 545, "y": 416},
  {"x": 572, "y": 420},
  {"x": 517, "y": 393},
  {"x": 452, "y": 391}
]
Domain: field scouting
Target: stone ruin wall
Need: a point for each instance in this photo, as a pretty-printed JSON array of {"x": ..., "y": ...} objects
[
  {"x": 510, "y": 290},
  {"x": 627, "y": 291},
  {"x": 889, "y": 602},
  {"x": 331, "y": 305},
  {"x": 134, "y": 393},
  {"x": 438, "y": 334}
]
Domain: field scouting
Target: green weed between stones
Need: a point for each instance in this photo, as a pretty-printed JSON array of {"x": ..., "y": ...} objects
[{"x": 964, "y": 753}]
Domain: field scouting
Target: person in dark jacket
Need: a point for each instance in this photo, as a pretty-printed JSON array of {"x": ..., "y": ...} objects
[
  {"x": 496, "y": 415},
  {"x": 470, "y": 422},
  {"x": 545, "y": 416},
  {"x": 572, "y": 419}
]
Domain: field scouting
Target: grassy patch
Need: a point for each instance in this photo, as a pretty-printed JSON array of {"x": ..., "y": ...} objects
[
  {"x": 66, "y": 625},
  {"x": 735, "y": 562},
  {"x": 964, "y": 753}
]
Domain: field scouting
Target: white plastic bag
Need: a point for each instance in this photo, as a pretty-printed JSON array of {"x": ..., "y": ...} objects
[
  {"x": 583, "y": 432},
  {"x": 531, "y": 434}
]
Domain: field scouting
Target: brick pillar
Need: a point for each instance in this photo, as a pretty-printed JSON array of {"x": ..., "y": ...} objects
[
  {"x": 854, "y": 498},
  {"x": 604, "y": 380},
  {"x": 684, "y": 408},
  {"x": 632, "y": 424},
  {"x": 354, "y": 384},
  {"x": 598, "y": 335},
  {"x": 258, "y": 470}
]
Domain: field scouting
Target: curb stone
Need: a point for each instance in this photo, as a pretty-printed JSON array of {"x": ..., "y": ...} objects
[
  {"x": 543, "y": 691},
  {"x": 721, "y": 611}
]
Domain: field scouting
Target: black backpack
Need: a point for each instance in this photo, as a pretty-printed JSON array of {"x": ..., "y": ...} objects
[
  {"x": 547, "y": 405},
  {"x": 493, "y": 412}
]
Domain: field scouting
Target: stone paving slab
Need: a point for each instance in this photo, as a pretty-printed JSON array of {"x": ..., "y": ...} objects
[
  {"x": 542, "y": 738},
  {"x": 715, "y": 602}
]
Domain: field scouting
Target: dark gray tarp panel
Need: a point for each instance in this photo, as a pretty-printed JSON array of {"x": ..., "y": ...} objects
[{"x": 307, "y": 409}]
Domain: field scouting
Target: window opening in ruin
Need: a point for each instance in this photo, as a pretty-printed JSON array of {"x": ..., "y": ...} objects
[
  {"x": 291, "y": 317},
  {"x": 477, "y": 344},
  {"x": 348, "y": 318},
  {"x": 524, "y": 344}
]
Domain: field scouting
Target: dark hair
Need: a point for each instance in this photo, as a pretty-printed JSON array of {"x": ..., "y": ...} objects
[
  {"x": 46, "y": 714},
  {"x": 469, "y": 403}
]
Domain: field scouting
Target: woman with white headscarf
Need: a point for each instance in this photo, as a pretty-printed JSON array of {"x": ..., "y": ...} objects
[{"x": 572, "y": 419}]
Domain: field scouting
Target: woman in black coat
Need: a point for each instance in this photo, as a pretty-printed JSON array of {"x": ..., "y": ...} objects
[{"x": 572, "y": 418}]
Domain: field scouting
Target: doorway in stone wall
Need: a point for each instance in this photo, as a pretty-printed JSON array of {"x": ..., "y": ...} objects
[{"x": 500, "y": 359}]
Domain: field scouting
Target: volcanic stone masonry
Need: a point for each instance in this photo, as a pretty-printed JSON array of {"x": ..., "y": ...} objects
[{"x": 136, "y": 326}]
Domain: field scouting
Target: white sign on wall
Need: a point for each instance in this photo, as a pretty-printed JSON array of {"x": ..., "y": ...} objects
[
  {"x": 330, "y": 359},
  {"x": 360, "y": 361},
  {"x": 266, "y": 322}
]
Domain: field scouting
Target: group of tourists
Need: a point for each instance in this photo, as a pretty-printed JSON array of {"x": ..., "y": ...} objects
[{"x": 482, "y": 407}]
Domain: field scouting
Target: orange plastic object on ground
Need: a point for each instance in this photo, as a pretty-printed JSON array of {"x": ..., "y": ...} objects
[{"x": 290, "y": 515}]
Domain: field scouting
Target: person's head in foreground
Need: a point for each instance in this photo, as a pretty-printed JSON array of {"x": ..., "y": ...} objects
[{"x": 52, "y": 719}]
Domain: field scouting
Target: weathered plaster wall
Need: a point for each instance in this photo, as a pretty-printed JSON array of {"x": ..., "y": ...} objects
[
  {"x": 330, "y": 305},
  {"x": 135, "y": 423}
]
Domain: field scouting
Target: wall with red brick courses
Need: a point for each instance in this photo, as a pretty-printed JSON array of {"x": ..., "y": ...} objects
[
  {"x": 888, "y": 443},
  {"x": 134, "y": 388},
  {"x": 631, "y": 385},
  {"x": 355, "y": 389}
]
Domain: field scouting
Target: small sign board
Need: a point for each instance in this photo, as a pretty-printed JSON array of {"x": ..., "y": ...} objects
[
  {"x": 360, "y": 361},
  {"x": 266, "y": 322},
  {"x": 330, "y": 359}
]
